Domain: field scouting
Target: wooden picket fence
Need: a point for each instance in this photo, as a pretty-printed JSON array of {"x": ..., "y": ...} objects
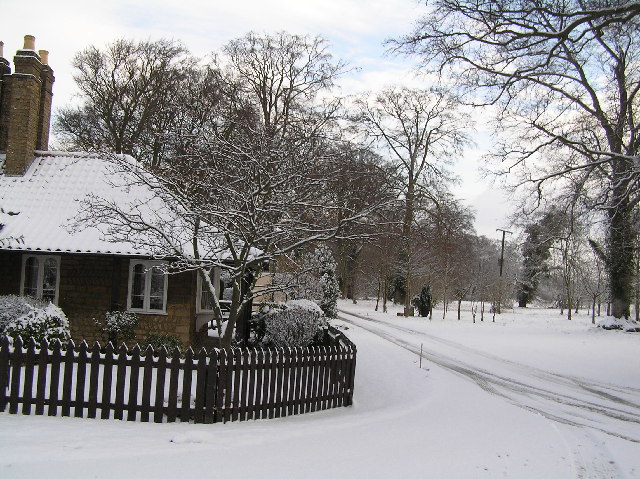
[{"x": 216, "y": 386}]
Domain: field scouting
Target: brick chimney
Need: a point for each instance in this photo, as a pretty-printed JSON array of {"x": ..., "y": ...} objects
[
  {"x": 5, "y": 69},
  {"x": 25, "y": 107}
]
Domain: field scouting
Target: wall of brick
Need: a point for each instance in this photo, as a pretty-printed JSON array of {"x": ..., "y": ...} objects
[
  {"x": 5, "y": 69},
  {"x": 91, "y": 285},
  {"x": 25, "y": 91},
  {"x": 10, "y": 270},
  {"x": 24, "y": 105},
  {"x": 44, "y": 115}
]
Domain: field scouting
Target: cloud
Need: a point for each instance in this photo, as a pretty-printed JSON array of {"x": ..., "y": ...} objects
[{"x": 356, "y": 30}]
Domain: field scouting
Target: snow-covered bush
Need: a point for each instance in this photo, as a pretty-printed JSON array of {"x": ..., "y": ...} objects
[
  {"x": 423, "y": 301},
  {"x": 315, "y": 279},
  {"x": 48, "y": 323},
  {"x": 297, "y": 323},
  {"x": 330, "y": 294},
  {"x": 117, "y": 326},
  {"x": 628, "y": 325},
  {"x": 305, "y": 304},
  {"x": 12, "y": 307}
]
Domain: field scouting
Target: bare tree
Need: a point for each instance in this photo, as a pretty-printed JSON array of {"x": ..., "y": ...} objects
[
  {"x": 447, "y": 242},
  {"x": 422, "y": 132},
  {"x": 127, "y": 92},
  {"x": 254, "y": 192},
  {"x": 564, "y": 76},
  {"x": 281, "y": 75}
]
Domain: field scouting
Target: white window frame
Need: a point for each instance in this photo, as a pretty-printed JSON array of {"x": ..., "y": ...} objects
[
  {"x": 148, "y": 267},
  {"x": 216, "y": 284},
  {"x": 41, "y": 260}
]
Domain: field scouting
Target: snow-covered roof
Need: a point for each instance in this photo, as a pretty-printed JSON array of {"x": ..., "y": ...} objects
[{"x": 40, "y": 206}]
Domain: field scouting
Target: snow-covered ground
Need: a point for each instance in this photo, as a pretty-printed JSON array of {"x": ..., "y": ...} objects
[{"x": 529, "y": 396}]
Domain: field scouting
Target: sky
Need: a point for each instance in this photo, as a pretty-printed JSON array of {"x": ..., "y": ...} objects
[{"x": 356, "y": 31}]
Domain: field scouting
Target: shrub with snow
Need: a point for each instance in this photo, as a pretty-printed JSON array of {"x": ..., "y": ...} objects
[
  {"x": 117, "y": 326},
  {"x": 628, "y": 325},
  {"x": 12, "y": 307},
  {"x": 316, "y": 279},
  {"x": 297, "y": 323},
  {"x": 48, "y": 323},
  {"x": 305, "y": 304}
]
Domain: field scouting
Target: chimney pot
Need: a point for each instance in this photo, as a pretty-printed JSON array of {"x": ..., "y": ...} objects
[
  {"x": 1, "y": 50},
  {"x": 29, "y": 42},
  {"x": 44, "y": 56}
]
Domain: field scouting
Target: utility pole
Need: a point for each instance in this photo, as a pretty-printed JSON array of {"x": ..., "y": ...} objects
[{"x": 501, "y": 263}]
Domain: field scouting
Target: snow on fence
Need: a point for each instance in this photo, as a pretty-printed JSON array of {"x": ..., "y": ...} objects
[{"x": 219, "y": 386}]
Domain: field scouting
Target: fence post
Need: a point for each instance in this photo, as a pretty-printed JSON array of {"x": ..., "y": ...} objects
[
  {"x": 120, "y": 382},
  {"x": 174, "y": 372},
  {"x": 145, "y": 407},
  {"x": 201, "y": 385},
  {"x": 134, "y": 381},
  {"x": 80, "y": 379},
  {"x": 29, "y": 363},
  {"x": 94, "y": 376},
  {"x": 211, "y": 388},
  {"x": 107, "y": 375},
  {"x": 185, "y": 413},
  {"x": 4, "y": 372},
  {"x": 42, "y": 377},
  {"x": 54, "y": 384},
  {"x": 161, "y": 373},
  {"x": 16, "y": 371}
]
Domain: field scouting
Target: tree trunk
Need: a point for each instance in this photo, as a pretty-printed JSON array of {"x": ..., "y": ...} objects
[
  {"x": 406, "y": 233},
  {"x": 621, "y": 254},
  {"x": 459, "y": 304},
  {"x": 385, "y": 289},
  {"x": 637, "y": 303},
  {"x": 593, "y": 310}
]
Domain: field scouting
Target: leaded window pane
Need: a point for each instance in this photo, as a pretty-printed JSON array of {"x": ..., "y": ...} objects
[
  {"x": 137, "y": 287},
  {"x": 156, "y": 295},
  {"x": 226, "y": 286},
  {"x": 206, "y": 298},
  {"x": 30, "y": 287},
  {"x": 49, "y": 280}
]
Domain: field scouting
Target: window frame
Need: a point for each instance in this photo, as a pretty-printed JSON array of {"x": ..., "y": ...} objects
[
  {"x": 216, "y": 283},
  {"x": 148, "y": 266},
  {"x": 42, "y": 259}
]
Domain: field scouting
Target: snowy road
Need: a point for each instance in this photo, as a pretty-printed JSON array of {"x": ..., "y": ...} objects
[{"x": 589, "y": 407}]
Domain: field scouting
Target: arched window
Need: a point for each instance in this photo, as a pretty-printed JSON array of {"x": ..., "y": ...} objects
[{"x": 41, "y": 277}]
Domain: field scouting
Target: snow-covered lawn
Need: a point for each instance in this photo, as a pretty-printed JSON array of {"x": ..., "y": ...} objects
[{"x": 529, "y": 396}]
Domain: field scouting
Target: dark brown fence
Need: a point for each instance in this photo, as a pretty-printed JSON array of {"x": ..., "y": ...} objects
[{"x": 219, "y": 386}]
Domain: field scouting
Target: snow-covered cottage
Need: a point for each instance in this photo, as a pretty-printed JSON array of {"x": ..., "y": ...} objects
[{"x": 44, "y": 254}]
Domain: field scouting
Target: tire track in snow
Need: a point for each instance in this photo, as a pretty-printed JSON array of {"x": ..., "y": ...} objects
[{"x": 562, "y": 399}]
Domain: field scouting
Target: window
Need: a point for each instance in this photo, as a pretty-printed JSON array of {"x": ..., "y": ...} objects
[
  {"x": 147, "y": 287},
  {"x": 222, "y": 282},
  {"x": 205, "y": 297},
  {"x": 40, "y": 277}
]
